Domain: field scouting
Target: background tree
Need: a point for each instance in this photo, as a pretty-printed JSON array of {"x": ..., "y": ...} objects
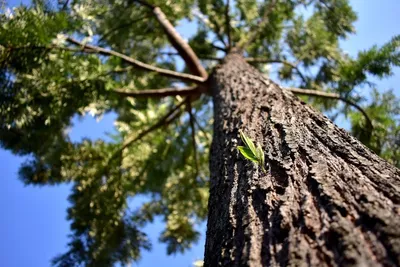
[{"x": 51, "y": 70}]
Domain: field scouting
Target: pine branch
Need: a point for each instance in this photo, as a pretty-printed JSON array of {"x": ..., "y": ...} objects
[
  {"x": 255, "y": 31},
  {"x": 265, "y": 60},
  {"x": 310, "y": 92},
  {"x": 138, "y": 64},
  {"x": 157, "y": 93},
  {"x": 191, "y": 117},
  {"x": 176, "y": 40}
]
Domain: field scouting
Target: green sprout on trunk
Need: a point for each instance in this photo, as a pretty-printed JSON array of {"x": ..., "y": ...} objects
[{"x": 250, "y": 152}]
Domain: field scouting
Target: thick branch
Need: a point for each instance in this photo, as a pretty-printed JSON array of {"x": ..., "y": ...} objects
[
  {"x": 311, "y": 92},
  {"x": 255, "y": 31},
  {"x": 157, "y": 93},
  {"x": 138, "y": 64},
  {"x": 265, "y": 60},
  {"x": 183, "y": 48}
]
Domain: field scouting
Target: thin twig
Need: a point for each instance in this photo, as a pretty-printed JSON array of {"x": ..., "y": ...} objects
[
  {"x": 265, "y": 60},
  {"x": 255, "y": 31},
  {"x": 65, "y": 5},
  {"x": 219, "y": 48},
  {"x": 139, "y": 64},
  {"x": 212, "y": 25},
  {"x": 228, "y": 24},
  {"x": 176, "y": 40},
  {"x": 311, "y": 92},
  {"x": 189, "y": 108},
  {"x": 165, "y": 120},
  {"x": 50, "y": 47},
  {"x": 121, "y": 26},
  {"x": 201, "y": 57},
  {"x": 157, "y": 93},
  {"x": 201, "y": 128}
]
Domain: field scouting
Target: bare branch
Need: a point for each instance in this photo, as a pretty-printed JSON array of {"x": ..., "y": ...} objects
[
  {"x": 265, "y": 60},
  {"x": 255, "y": 31},
  {"x": 165, "y": 120},
  {"x": 200, "y": 56},
  {"x": 138, "y": 64},
  {"x": 220, "y": 48},
  {"x": 183, "y": 48},
  {"x": 157, "y": 93},
  {"x": 228, "y": 24},
  {"x": 189, "y": 108},
  {"x": 311, "y": 92}
]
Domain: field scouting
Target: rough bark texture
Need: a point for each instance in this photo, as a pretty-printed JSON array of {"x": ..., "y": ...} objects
[{"x": 326, "y": 200}]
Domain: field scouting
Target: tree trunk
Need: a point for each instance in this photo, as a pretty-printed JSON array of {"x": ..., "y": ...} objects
[{"x": 326, "y": 200}]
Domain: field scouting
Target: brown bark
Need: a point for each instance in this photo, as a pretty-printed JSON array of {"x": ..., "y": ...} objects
[{"x": 326, "y": 200}]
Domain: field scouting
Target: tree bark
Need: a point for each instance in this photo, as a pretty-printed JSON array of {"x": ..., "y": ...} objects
[{"x": 326, "y": 199}]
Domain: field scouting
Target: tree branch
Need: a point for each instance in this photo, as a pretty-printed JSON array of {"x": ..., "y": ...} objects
[
  {"x": 157, "y": 93},
  {"x": 176, "y": 40},
  {"x": 200, "y": 56},
  {"x": 259, "y": 27},
  {"x": 165, "y": 120},
  {"x": 189, "y": 108},
  {"x": 138, "y": 64},
  {"x": 213, "y": 25},
  {"x": 311, "y": 92},
  {"x": 217, "y": 31},
  {"x": 265, "y": 60},
  {"x": 228, "y": 24},
  {"x": 219, "y": 48}
]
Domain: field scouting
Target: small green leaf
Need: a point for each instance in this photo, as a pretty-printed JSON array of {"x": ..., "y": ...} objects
[
  {"x": 247, "y": 153},
  {"x": 248, "y": 142},
  {"x": 260, "y": 154}
]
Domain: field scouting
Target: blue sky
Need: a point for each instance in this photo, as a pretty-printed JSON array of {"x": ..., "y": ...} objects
[{"x": 33, "y": 228}]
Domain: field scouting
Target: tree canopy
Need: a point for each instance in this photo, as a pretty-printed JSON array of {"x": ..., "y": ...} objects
[{"x": 125, "y": 57}]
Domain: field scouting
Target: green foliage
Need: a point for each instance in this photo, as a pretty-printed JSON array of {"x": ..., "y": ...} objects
[
  {"x": 42, "y": 88},
  {"x": 250, "y": 152},
  {"x": 385, "y": 140}
]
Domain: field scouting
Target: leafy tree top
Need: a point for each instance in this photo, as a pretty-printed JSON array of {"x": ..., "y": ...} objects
[{"x": 95, "y": 57}]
